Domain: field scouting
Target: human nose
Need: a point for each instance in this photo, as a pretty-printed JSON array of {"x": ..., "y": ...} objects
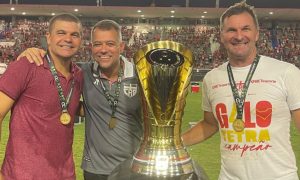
[
  {"x": 68, "y": 38},
  {"x": 103, "y": 48},
  {"x": 239, "y": 34},
  {"x": 99, "y": 49}
]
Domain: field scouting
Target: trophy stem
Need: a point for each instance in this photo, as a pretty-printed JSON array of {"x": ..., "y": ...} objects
[{"x": 162, "y": 154}]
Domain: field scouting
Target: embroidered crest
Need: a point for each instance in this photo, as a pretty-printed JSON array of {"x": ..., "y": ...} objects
[
  {"x": 130, "y": 90},
  {"x": 96, "y": 82}
]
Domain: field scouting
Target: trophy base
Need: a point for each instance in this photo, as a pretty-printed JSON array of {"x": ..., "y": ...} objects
[{"x": 124, "y": 172}]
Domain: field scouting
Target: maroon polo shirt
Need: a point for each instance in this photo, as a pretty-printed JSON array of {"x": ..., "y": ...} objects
[{"x": 39, "y": 146}]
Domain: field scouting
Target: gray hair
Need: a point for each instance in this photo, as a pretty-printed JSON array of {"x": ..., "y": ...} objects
[
  {"x": 107, "y": 25},
  {"x": 239, "y": 8},
  {"x": 64, "y": 17}
]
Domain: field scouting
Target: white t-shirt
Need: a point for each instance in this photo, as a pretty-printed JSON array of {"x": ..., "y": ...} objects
[{"x": 263, "y": 150}]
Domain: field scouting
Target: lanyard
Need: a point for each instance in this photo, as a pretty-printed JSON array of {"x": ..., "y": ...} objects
[
  {"x": 112, "y": 99},
  {"x": 64, "y": 102},
  {"x": 240, "y": 99}
]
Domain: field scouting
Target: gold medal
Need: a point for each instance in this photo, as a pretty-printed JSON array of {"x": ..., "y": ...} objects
[
  {"x": 112, "y": 123},
  {"x": 238, "y": 125},
  {"x": 65, "y": 118}
]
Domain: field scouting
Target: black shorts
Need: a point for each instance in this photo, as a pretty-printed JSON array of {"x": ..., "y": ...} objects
[{"x": 92, "y": 176}]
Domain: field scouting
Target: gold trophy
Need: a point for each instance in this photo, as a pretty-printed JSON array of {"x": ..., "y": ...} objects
[{"x": 164, "y": 70}]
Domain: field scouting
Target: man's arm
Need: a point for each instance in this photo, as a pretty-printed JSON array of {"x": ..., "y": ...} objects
[
  {"x": 5, "y": 105},
  {"x": 33, "y": 55},
  {"x": 201, "y": 131},
  {"x": 296, "y": 117}
]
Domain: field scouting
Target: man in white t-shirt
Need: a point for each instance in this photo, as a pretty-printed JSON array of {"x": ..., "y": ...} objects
[{"x": 250, "y": 100}]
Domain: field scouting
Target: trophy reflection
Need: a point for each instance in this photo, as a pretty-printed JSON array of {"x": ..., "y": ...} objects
[{"x": 164, "y": 70}]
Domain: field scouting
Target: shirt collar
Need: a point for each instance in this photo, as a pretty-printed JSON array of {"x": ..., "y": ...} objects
[{"x": 74, "y": 67}]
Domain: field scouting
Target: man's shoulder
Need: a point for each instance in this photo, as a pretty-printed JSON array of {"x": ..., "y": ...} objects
[
  {"x": 220, "y": 68},
  {"x": 85, "y": 66},
  {"x": 21, "y": 65},
  {"x": 82, "y": 65},
  {"x": 271, "y": 62}
]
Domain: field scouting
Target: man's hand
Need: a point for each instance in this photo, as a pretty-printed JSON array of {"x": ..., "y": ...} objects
[
  {"x": 296, "y": 117},
  {"x": 34, "y": 55}
]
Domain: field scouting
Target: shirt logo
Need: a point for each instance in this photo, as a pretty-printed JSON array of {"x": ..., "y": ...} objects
[
  {"x": 240, "y": 85},
  {"x": 96, "y": 82},
  {"x": 130, "y": 90}
]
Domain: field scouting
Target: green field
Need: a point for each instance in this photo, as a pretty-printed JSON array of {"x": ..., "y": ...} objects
[{"x": 206, "y": 154}]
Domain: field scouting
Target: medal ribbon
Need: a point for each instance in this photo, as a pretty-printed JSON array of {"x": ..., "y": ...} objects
[
  {"x": 64, "y": 102},
  {"x": 113, "y": 99},
  {"x": 240, "y": 99}
]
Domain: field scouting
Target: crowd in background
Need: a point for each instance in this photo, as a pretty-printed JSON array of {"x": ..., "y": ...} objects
[{"x": 281, "y": 42}]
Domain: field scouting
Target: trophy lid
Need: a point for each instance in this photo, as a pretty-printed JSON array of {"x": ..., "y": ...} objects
[{"x": 164, "y": 53}]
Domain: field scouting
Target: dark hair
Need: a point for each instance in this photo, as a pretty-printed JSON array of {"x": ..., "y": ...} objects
[
  {"x": 64, "y": 17},
  {"x": 239, "y": 8},
  {"x": 107, "y": 25}
]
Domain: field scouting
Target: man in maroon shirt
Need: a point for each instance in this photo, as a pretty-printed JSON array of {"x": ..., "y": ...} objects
[{"x": 43, "y": 101}]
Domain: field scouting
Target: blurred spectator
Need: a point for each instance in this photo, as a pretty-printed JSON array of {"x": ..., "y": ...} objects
[{"x": 280, "y": 42}]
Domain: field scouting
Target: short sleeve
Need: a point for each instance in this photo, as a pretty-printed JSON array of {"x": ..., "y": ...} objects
[
  {"x": 292, "y": 84},
  {"x": 16, "y": 77}
]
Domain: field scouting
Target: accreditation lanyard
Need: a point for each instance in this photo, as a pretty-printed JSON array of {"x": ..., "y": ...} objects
[
  {"x": 240, "y": 99},
  {"x": 64, "y": 102},
  {"x": 113, "y": 99}
]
